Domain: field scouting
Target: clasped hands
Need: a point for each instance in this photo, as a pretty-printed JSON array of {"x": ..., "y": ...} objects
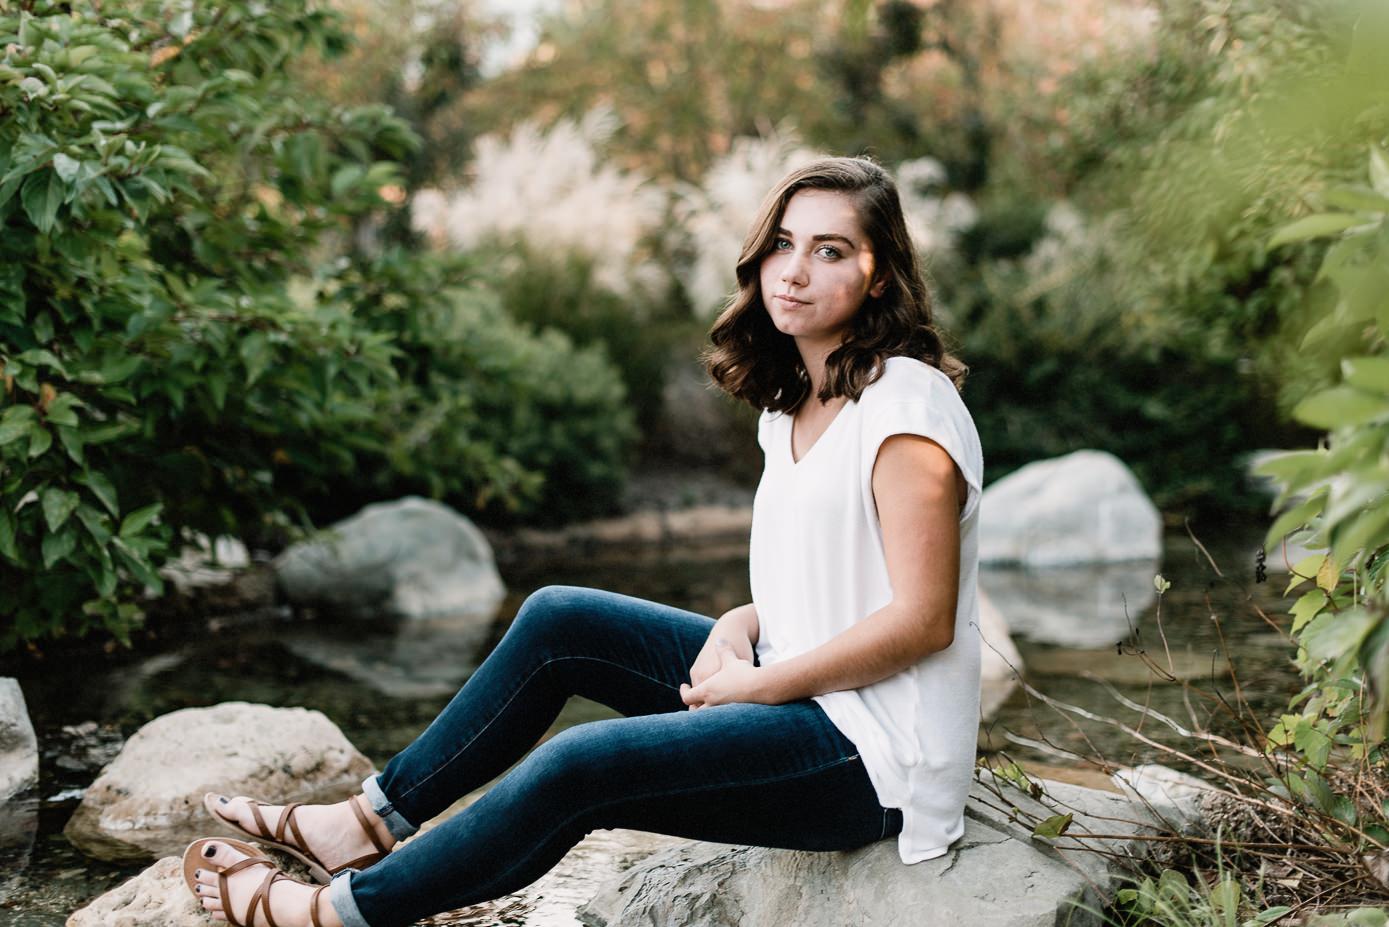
[{"x": 720, "y": 676}]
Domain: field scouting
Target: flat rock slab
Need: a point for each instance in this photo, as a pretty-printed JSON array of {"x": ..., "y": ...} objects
[
  {"x": 995, "y": 875},
  {"x": 148, "y": 801},
  {"x": 157, "y": 897}
]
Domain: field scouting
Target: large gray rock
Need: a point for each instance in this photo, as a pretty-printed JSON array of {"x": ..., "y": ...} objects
[
  {"x": 148, "y": 802},
  {"x": 1094, "y": 605},
  {"x": 157, "y": 897},
  {"x": 413, "y": 558},
  {"x": 19, "y": 749},
  {"x": 1085, "y": 507},
  {"x": 995, "y": 875}
]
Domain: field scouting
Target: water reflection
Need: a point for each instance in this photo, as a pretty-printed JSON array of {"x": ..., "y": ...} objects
[
  {"x": 1095, "y": 605},
  {"x": 19, "y": 826},
  {"x": 415, "y": 659}
]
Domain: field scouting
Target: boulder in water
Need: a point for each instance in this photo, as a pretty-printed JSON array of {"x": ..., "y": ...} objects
[
  {"x": 413, "y": 558},
  {"x": 19, "y": 749},
  {"x": 148, "y": 801},
  {"x": 1085, "y": 507}
]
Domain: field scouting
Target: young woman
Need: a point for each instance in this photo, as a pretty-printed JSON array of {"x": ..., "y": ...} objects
[{"x": 838, "y": 708}]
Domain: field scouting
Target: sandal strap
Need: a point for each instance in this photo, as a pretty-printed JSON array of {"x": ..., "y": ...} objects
[
  {"x": 313, "y": 906},
  {"x": 261, "y": 898},
  {"x": 288, "y": 818},
  {"x": 367, "y": 828},
  {"x": 224, "y": 892}
]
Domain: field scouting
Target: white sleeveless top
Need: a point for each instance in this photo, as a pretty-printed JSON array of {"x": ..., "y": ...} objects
[{"x": 817, "y": 567}]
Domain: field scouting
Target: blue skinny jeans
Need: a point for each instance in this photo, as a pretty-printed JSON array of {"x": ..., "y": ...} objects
[{"x": 769, "y": 775}]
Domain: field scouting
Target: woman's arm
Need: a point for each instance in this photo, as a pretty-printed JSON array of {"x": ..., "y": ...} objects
[{"x": 919, "y": 493}]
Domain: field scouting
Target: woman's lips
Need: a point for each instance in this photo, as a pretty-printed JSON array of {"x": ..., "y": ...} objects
[{"x": 790, "y": 300}]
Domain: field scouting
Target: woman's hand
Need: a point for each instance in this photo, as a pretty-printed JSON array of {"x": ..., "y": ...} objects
[
  {"x": 738, "y": 627},
  {"x": 733, "y": 679}
]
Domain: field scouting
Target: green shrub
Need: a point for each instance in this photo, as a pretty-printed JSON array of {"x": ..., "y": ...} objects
[
  {"x": 159, "y": 182},
  {"x": 165, "y": 190},
  {"x": 487, "y": 414},
  {"x": 562, "y": 293}
]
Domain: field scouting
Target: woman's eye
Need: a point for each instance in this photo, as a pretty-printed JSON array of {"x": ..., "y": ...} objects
[
  {"x": 829, "y": 251},
  {"x": 781, "y": 244}
]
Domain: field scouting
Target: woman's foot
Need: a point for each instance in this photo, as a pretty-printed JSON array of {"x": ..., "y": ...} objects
[
  {"x": 332, "y": 834},
  {"x": 289, "y": 900}
]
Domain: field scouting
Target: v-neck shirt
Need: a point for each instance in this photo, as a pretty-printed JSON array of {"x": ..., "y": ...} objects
[{"x": 817, "y": 567}]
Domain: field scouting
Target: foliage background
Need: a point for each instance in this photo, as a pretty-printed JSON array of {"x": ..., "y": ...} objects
[{"x": 348, "y": 252}]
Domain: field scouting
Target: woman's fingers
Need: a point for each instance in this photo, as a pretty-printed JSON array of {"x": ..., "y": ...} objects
[{"x": 689, "y": 697}]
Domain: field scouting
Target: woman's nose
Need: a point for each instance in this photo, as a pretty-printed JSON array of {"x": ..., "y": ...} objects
[{"x": 793, "y": 271}]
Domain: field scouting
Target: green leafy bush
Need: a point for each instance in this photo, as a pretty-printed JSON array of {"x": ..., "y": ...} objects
[
  {"x": 166, "y": 189},
  {"x": 487, "y": 414},
  {"x": 159, "y": 183},
  {"x": 1340, "y": 492}
]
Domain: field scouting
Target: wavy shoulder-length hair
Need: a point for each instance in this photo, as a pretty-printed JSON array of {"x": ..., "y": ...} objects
[{"x": 753, "y": 361}]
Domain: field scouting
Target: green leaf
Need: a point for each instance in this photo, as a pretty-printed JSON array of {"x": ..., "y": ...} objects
[
  {"x": 255, "y": 352},
  {"x": 136, "y": 521},
  {"x": 1357, "y": 199},
  {"x": 1292, "y": 519},
  {"x": 15, "y": 423},
  {"x": 137, "y": 565},
  {"x": 41, "y": 195},
  {"x": 103, "y": 490},
  {"x": 73, "y": 443},
  {"x": 58, "y": 506},
  {"x": 66, "y": 167},
  {"x": 1366, "y": 531},
  {"x": 39, "y": 357},
  {"x": 61, "y": 410},
  {"x": 40, "y": 440},
  {"x": 95, "y": 523},
  {"x": 1367, "y": 373},
  {"x": 1315, "y": 226},
  {"x": 1340, "y": 407},
  {"x": 1289, "y": 467},
  {"x": 1307, "y": 608},
  {"x": 1334, "y": 634},
  {"x": 7, "y": 532},
  {"x": 1054, "y": 826},
  {"x": 1313, "y": 743},
  {"x": 1379, "y": 171},
  {"x": 57, "y": 546},
  {"x": 1269, "y": 915}
]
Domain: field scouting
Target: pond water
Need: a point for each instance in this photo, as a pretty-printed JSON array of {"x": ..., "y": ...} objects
[{"x": 84, "y": 709}]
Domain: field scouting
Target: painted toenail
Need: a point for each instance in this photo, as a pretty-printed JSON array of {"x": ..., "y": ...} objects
[
  {"x": 209, "y": 851},
  {"x": 222, "y": 799}
]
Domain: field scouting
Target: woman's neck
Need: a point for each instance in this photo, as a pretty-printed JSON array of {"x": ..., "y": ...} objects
[{"x": 813, "y": 358}]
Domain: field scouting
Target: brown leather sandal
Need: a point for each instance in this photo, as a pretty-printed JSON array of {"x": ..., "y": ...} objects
[
  {"x": 194, "y": 860},
  {"x": 299, "y": 849}
]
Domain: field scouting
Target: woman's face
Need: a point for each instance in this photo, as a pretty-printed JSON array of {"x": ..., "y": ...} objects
[{"x": 819, "y": 271}]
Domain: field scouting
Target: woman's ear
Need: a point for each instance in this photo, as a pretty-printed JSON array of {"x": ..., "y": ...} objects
[{"x": 879, "y": 286}]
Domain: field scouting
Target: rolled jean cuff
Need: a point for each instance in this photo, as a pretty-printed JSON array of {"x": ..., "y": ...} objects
[
  {"x": 340, "y": 896},
  {"x": 395, "y": 823}
]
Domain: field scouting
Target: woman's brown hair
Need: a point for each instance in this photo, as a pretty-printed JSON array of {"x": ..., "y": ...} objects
[{"x": 753, "y": 361}]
